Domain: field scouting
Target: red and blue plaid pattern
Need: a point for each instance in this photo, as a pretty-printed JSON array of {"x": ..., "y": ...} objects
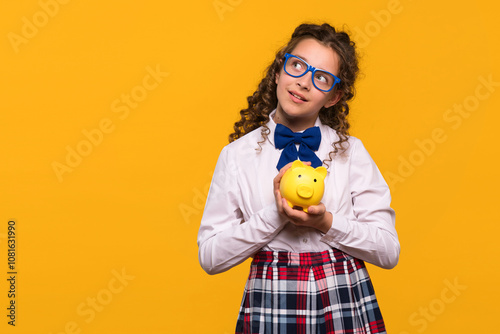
[{"x": 309, "y": 293}]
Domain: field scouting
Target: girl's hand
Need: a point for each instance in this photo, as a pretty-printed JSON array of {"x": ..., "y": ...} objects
[{"x": 317, "y": 216}]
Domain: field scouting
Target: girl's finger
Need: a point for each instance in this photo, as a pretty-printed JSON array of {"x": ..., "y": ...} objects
[
  {"x": 317, "y": 209},
  {"x": 278, "y": 199},
  {"x": 278, "y": 177}
]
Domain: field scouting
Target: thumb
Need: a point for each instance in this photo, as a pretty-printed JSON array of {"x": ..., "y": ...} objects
[
  {"x": 316, "y": 209},
  {"x": 312, "y": 210}
]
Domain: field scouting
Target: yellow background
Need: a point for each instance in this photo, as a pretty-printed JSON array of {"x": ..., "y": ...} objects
[{"x": 133, "y": 204}]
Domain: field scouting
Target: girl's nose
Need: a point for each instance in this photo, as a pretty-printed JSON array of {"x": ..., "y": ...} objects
[{"x": 305, "y": 81}]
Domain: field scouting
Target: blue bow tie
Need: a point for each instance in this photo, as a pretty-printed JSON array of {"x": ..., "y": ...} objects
[{"x": 308, "y": 141}]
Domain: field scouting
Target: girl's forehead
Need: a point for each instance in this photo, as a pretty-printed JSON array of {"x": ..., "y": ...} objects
[{"x": 317, "y": 54}]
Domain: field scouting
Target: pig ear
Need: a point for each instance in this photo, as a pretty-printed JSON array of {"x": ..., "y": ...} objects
[
  {"x": 297, "y": 163},
  {"x": 322, "y": 171}
]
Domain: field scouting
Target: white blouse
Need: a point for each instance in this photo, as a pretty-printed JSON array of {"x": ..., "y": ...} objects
[{"x": 241, "y": 218}]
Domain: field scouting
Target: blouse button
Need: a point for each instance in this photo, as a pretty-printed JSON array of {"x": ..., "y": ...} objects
[{"x": 304, "y": 240}]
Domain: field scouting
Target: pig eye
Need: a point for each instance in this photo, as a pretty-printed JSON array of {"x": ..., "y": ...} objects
[
  {"x": 314, "y": 180},
  {"x": 300, "y": 176}
]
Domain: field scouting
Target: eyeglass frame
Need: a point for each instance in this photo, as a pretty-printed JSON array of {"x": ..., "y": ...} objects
[{"x": 313, "y": 71}]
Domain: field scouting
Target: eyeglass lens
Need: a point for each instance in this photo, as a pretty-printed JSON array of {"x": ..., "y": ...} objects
[{"x": 296, "y": 67}]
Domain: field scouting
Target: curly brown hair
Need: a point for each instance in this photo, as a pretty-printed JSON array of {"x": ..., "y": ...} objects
[{"x": 264, "y": 100}]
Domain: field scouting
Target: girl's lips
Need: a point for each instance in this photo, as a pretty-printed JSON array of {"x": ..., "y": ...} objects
[{"x": 297, "y": 97}]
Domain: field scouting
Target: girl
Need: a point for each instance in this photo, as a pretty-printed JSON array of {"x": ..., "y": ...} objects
[{"x": 308, "y": 273}]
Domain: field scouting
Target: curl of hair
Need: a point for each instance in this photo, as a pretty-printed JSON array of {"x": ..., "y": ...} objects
[{"x": 264, "y": 100}]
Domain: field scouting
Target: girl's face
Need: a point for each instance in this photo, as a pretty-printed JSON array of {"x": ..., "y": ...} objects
[{"x": 299, "y": 102}]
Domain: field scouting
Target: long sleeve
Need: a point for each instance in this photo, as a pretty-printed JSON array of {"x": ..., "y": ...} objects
[
  {"x": 369, "y": 233},
  {"x": 226, "y": 237}
]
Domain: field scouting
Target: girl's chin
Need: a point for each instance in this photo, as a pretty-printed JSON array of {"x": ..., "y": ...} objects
[
  {"x": 296, "y": 118},
  {"x": 297, "y": 112}
]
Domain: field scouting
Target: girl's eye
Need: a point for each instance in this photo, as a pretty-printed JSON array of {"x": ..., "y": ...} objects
[
  {"x": 297, "y": 65},
  {"x": 322, "y": 78}
]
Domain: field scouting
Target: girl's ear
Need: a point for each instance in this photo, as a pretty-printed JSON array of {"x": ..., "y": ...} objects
[{"x": 334, "y": 99}]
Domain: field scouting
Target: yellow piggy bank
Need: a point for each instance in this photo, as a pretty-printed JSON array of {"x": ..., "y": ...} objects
[{"x": 303, "y": 185}]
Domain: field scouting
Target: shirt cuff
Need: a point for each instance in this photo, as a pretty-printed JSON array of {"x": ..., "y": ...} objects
[{"x": 339, "y": 230}]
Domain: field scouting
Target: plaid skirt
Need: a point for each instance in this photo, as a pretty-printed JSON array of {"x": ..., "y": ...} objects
[{"x": 310, "y": 293}]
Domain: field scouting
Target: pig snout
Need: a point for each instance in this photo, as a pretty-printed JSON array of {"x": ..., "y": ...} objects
[{"x": 305, "y": 191}]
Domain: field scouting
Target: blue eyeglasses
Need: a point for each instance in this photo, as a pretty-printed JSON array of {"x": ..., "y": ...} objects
[{"x": 321, "y": 79}]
